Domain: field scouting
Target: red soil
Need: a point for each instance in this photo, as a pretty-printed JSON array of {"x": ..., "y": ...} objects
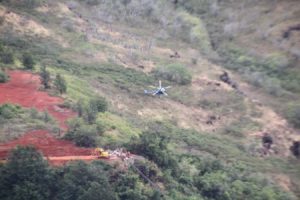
[
  {"x": 23, "y": 88},
  {"x": 46, "y": 144}
]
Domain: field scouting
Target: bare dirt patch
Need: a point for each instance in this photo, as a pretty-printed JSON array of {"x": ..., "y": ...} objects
[
  {"x": 23, "y": 88},
  {"x": 44, "y": 142}
]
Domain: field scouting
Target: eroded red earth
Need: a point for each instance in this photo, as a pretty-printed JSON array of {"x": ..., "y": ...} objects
[
  {"x": 46, "y": 143},
  {"x": 23, "y": 89}
]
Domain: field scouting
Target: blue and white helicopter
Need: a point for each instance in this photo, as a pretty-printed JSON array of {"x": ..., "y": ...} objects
[{"x": 158, "y": 90}]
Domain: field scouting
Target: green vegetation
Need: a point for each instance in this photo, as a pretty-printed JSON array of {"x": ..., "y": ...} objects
[
  {"x": 3, "y": 77},
  {"x": 175, "y": 73},
  {"x": 270, "y": 73},
  {"x": 85, "y": 129},
  {"x": 27, "y": 175},
  {"x": 8, "y": 111},
  {"x": 89, "y": 110},
  {"x": 154, "y": 147},
  {"x": 6, "y": 55},
  {"x": 193, "y": 31},
  {"x": 241, "y": 126},
  {"x": 60, "y": 84},
  {"x": 98, "y": 104},
  {"x": 45, "y": 77},
  {"x": 28, "y": 61},
  {"x": 186, "y": 164},
  {"x": 118, "y": 131},
  {"x": 29, "y": 4},
  {"x": 82, "y": 134},
  {"x": 15, "y": 121},
  {"x": 293, "y": 115},
  {"x": 203, "y": 176}
]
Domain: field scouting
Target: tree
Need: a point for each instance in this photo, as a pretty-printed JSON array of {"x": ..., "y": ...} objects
[
  {"x": 293, "y": 115},
  {"x": 45, "y": 77},
  {"x": 153, "y": 145},
  {"x": 25, "y": 176},
  {"x": 213, "y": 185},
  {"x": 84, "y": 182},
  {"x": 128, "y": 187},
  {"x": 81, "y": 134},
  {"x": 7, "y": 57},
  {"x": 90, "y": 114},
  {"x": 60, "y": 84},
  {"x": 99, "y": 104},
  {"x": 28, "y": 61},
  {"x": 79, "y": 108}
]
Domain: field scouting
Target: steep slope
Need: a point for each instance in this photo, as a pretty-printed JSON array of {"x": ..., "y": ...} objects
[{"x": 115, "y": 58}]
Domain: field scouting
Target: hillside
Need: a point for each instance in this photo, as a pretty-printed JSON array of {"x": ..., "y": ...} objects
[{"x": 208, "y": 139}]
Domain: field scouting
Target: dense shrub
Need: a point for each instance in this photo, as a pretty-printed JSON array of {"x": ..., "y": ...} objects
[
  {"x": 7, "y": 57},
  {"x": 129, "y": 187},
  {"x": 293, "y": 115},
  {"x": 45, "y": 77},
  {"x": 28, "y": 61},
  {"x": 81, "y": 138},
  {"x": 90, "y": 110},
  {"x": 149, "y": 169},
  {"x": 175, "y": 73},
  {"x": 25, "y": 176},
  {"x": 99, "y": 104},
  {"x": 153, "y": 146},
  {"x": 295, "y": 149},
  {"x": 80, "y": 181},
  {"x": 8, "y": 111},
  {"x": 3, "y": 77},
  {"x": 79, "y": 108},
  {"x": 192, "y": 30},
  {"x": 60, "y": 84},
  {"x": 83, "y": 135},
  {"x": 90, "y": 114}
]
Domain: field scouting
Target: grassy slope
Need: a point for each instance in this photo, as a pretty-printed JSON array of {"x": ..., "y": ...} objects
[
  {"x": 251, "y": 41},
  {"x": 101, "y": 66}
]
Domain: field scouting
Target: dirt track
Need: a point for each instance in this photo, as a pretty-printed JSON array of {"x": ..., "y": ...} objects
[{"x": 22, "y": 89}]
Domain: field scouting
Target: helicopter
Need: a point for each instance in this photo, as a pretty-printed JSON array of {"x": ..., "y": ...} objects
[{"x": 158, "y": 90}]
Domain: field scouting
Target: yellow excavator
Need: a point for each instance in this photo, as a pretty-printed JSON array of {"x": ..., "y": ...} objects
[{"x": 101, "y": 153}]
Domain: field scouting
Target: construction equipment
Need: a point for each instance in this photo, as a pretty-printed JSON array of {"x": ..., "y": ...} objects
[{"x": 101, "y": 153}]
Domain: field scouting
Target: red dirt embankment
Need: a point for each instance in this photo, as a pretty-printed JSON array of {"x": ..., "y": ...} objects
[
  {"x": 46, "y": 143},
  {"x": 23, "y": 89}
]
